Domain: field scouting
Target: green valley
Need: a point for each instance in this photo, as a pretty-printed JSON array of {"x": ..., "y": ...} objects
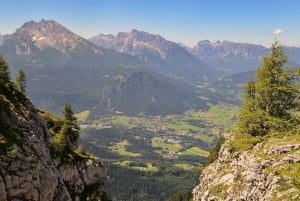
[{"x": 161, "y": 154}]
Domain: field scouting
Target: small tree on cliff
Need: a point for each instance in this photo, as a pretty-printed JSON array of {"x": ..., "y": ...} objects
[
  {"x": 21, "y": 81},
  {"x": 4, "y": 72},
  {"x": 71, "y": 122},
  {"x": 67, "y": 138},
  {"x": 270, "y": 97}
]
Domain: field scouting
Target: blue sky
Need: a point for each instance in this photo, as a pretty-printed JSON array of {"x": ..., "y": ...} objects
[{"x": 186, "y": 21}]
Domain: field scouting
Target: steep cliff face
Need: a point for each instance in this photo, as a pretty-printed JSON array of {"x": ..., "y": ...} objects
[
  {"x": 28, "y": 171},
  {"x": 269, "y": 170}
]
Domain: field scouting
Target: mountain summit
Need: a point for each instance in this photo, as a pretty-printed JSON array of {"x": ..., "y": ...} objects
[
  {"x": 132, "y": 41},
  {"x": 45, "y": 34}
]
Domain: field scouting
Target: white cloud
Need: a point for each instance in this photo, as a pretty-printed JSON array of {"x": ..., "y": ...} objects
[
  {"x": 277, "y": 31},
  {"x": 244, "y": 31}
]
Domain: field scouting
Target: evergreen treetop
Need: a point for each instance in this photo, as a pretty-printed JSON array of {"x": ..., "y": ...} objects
[
  {"x": 21, "y": 81},
  {"x": 71, "y": 121},
  {"x": 4, "y": 72},
  {"x": 270, "y": 97}
]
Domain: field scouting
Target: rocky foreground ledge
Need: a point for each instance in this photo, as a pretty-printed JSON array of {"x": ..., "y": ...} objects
[{"x": 267, "y": 171}]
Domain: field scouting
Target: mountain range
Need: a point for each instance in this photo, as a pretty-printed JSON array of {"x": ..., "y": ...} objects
[
  {"x": 221, "y": 58},
  {"x": 162, "y": 56},
  {"x": 64, "y": 67},
  {"x": 229, "y": 64},
  {"x": 134, "y": 72},
  {"x": 232, "y": 58}
]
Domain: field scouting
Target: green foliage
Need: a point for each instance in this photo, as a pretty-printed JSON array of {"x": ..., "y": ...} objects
[
  {"x": 53, "y": 123},
  {"x": 148, "y": 177},
  {"x": 291, "y": 170},
  {"x": 270, "y": 97},
  {"x": 72, "y": 127},
  {"x": 21, "y": 81},
  {"x": 65, "y": 130},
  {"x": 11, "y": 101},
  {"x": 4, "y": 72},
  {"x": 167, "y": 156},
  {"x": 213, "y": 155},
  {"x": 10, "y": 97},
  {"x": 182, "y": 196},
  {"x": 60, "y": 141},
  {"x": 136, "y": 185},
  {"x": 195, "y": 151},
  {"x": 13, "y": 151},
  {"x": 276, "y": 92},
  {"x": 91, "y": 192},
  {"x": 80, "y": 151},
  {"x": 9, "y": 138},
  {"x": 219, "y": 190},
  {"x": 82, "y": 116},
  {"x": 243, "y": 142}
]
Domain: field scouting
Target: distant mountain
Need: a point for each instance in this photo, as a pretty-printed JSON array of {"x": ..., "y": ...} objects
[
  {"x": 64, "y": 67},
  {"x": 2, "y": 38},
  {"x": 293, "y": 54},
  {"x": 161, "y": 55},
  {"x": 230, "y": 57}
]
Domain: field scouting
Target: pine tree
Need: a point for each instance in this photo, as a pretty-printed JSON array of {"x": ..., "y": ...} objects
[
  {"x": 21, "y": 81},
  {"x": 71, "y": 121},
  {"x": 276, "y": 92},
  {"x": 4, "y": 72},
  {"x": 270, "y": 97},
  {"x": 67, "y": 137},
  {"x": 60, "y": 141}
]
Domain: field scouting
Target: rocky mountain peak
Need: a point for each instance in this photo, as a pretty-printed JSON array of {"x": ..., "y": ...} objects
[
  {"x": 145, "y": 37},
  {"x": 229, "y": 57},
  {"x": 45, "y": 34},
  {"x": 225, "y": 48},
  {"x": 43, "y": 26},
  {"x": 131, "y": 42}
]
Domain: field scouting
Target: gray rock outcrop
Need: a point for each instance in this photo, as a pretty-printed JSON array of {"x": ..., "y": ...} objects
[{"x": 258, "y": 174}]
